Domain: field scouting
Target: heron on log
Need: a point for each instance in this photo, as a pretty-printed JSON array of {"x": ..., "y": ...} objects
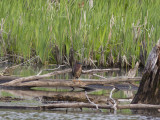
[{"x": 76, "y": 70}]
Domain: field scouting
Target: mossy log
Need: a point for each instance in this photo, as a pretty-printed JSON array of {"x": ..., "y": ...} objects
[{"x": 149, "y": 89}]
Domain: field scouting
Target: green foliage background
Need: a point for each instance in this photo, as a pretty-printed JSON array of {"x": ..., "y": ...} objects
[{"x": 109, "y": 31}]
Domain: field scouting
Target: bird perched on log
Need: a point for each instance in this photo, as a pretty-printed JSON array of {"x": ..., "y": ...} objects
[{"x": 76, "y": 70}]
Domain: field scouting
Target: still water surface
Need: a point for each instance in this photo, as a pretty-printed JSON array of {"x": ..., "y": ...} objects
[
  {"x": 85, "y": 114},
  {"x": 52, "y": 115}
]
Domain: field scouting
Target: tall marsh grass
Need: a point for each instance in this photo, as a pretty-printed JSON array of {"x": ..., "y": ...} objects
[{"x": 111, "y": 32}]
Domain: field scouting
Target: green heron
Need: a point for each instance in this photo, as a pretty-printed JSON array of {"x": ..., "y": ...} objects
[{"x": 77, "y": 70}]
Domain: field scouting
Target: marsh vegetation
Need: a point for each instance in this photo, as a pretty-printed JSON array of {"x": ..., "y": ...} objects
[{"x": 109, "y": 32}]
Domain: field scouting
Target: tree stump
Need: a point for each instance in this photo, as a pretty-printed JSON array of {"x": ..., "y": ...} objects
[{"x": 149, "y": 89}]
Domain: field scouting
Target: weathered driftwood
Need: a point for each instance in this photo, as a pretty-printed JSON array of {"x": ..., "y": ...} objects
[
  {"x": 83, "y": 105},
  {"x": 36, "y": 77},
  {"x": 149, "y": 89},
  {"x": 70, "y": 83}
]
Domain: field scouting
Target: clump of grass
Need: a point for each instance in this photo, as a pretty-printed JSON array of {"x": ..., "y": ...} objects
[{"x": 107, "y": 32}]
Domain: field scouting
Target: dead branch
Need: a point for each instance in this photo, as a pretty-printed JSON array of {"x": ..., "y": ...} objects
[
  {"x": 99, "y": 70},
  {"x": 96, "y": 105},
  {"x": 124, "y": 100},
  {"x": 99, "y": 76},
  {"x": 114, "y": 102},
  {"x": 50, "y": 69}
]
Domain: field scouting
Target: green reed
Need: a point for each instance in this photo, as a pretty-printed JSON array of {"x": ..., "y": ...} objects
[{"x": 108, "y": 32}]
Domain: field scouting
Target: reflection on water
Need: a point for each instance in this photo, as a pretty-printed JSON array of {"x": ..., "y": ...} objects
[
  {"x": 53, "y": 115},
  {"x": 36, "y": 98},
  {"x": 30, "y": 70},
  {"x": 41, "y": 96}
]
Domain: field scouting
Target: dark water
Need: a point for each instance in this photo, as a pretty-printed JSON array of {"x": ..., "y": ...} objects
[{"x": 34, "y": 98}]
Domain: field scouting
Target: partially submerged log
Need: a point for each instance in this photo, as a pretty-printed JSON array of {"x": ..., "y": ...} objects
[
  {"x": 69, "y": 83},
  {"x": 149, "y": 89},
  {"x": 82, "y": 105}
]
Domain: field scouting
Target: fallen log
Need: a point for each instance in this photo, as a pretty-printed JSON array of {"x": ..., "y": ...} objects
[
  {"x": 149, "y": 89},
  {"x": 138, "y": 106},
  {"x": 36, "y": 77},
  {"x": 82, "y": 105},
  {"x": 70, "y": 83}
]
